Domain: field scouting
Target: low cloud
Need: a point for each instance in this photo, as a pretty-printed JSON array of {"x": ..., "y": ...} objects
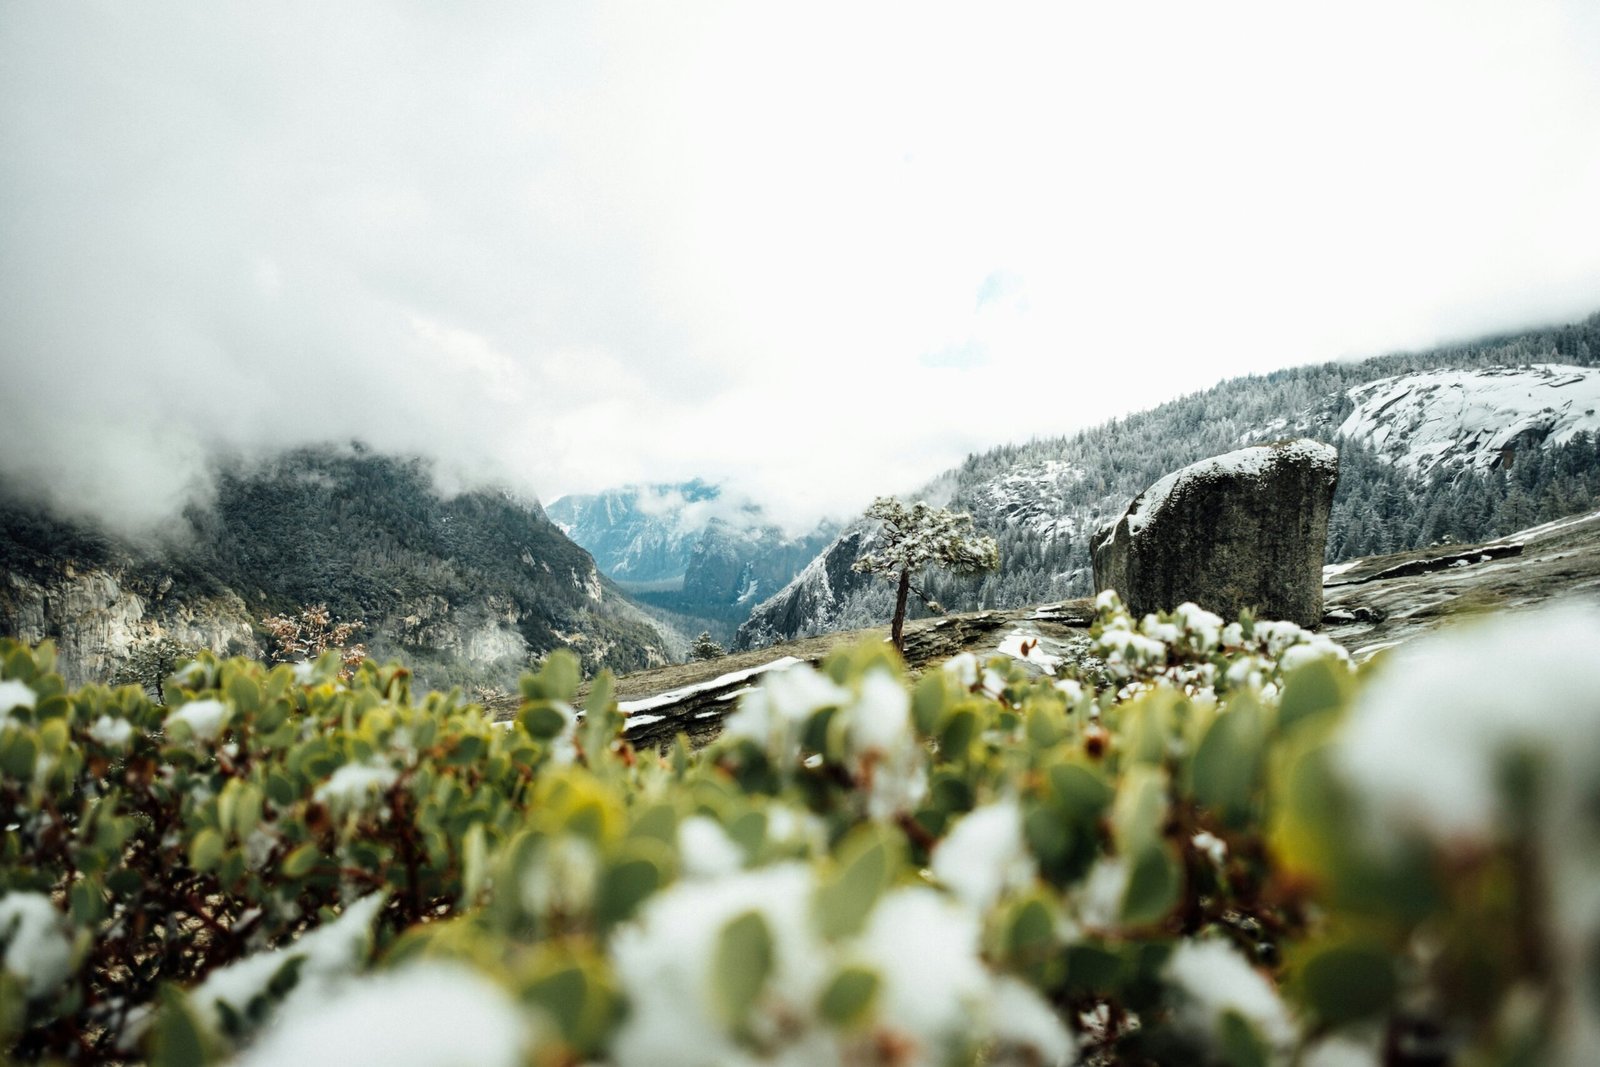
[{"x": 560, "y": 249}]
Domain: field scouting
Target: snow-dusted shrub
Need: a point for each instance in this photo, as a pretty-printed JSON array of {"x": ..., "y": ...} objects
[{"x": 1238, "y": 851}]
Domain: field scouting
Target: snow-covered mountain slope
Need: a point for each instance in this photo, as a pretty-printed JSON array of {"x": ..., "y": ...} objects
[
  {"x": 1473, "y": 418},
  {"x": 1033, "y": 496},
  {"x": 640, "y": 533},
  {"x": 816, "y": 598}
]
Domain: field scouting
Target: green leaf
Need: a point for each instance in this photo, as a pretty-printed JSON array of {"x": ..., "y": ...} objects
[
  {"x": 957, "y": 735},
  {"x": 1313, "y": 689},
  {"x": 1239, "y": 1043},
  {"x": 598, "y": 702},
  {"x": 53, "y": 737},
  {"x": 86, "y": 903},
  {"x": 1140, "y": 809},
  {"x": 1093, "y": 970},
  {"x": 543, "y": 721},
  {"x": 557, "y": 678},
  {"x": 576, "y": 996},
  {"x": 848, "y": 1000},
  {"x": 1030, "y": 936},
  {"x": 843, "y": 903},
  {"x": 243, "y": 693},
  {"x": 1228, "y": 763},
  {"x": 1043, "y": 728},
  {"x": 1081, "y": 793},
  {"x": 280, "y": 790},
  {"x": 18, "y": 753},
  {"x": 474, "y": 864},
  {"x": 298, "y": 864},
  {"x": 247, "y": 809},
  {"x": 562, "y": 994},
  {"x": 205, "y": 851},
  {"x": 1153, "y": 886},
  {"x": 749, "y": 832},
  {"x": 175, "y": 1040},
  {"x": 625, "y": 885},
  {"x": 927, "y": 703},
  {"x": 19, "y": 665},
  {"x": 1047, "y": 834},
  {"x": 1146, "y": 726},
  {"x": 740, "y": 966},
  {"x": 1349, "y": 981},
  {"x": 659, "y": 822}
]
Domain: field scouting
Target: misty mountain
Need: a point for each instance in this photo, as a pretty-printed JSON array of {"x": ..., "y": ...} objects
[
  {"x": 1458, "y": 443},
  {"x": 469, "y": 588},
  {"x": 688, "y": 549},
  {"x": 644, "y": 533}
]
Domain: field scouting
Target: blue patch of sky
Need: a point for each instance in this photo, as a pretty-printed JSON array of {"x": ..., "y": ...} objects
[
  {"x": 964, "y": 356},
  {"x": 999, "y": 285}
]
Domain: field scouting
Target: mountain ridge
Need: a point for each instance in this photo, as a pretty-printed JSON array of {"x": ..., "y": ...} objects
[{"x": 466, "y": 589}]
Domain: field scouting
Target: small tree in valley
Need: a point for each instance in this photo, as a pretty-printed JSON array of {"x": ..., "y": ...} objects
[
  {"x": 150, "y": 662},
  {"x": 706, "y": 648},
  {"x": 922, "y": 536}
]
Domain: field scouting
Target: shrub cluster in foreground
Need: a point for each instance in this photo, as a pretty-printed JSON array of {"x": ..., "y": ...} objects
[{"x": 1240, "y": 851}]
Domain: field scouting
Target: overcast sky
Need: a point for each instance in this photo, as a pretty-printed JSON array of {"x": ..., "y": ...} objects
[{"x": 818, "y": 251}]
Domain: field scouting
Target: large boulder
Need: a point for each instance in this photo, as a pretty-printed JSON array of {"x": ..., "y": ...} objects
[{"x": 1243, "y": 530}]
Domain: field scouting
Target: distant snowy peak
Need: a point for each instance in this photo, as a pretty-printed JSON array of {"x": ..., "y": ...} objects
[
  {"x": 1478, "y": 418},
  {"x": 646, "y": 533}
]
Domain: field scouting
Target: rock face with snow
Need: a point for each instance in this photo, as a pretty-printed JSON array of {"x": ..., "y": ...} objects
[
  {"x": 808, "y": 602},
  {"x": 1473, "y": 418},
  {"x": 1243, "y": 530}
]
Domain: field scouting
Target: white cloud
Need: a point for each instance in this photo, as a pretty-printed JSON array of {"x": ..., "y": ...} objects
[{"x": 816, "y": 252}]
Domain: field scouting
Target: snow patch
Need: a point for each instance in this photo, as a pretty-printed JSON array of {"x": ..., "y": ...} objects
[
  {"x": 985, "y": 855},
  {"x": 355, "y": 787},
  {"x": 327, "y": 955},
  {"x": 631, "y": 707},
  {"x": 205, "y": 718},
  {"x": 35, "y": 937},
  {"x": 111, "y": 733},
  {"x": 429, "y": 1014},
  {"x": 1215, "y": 979}
]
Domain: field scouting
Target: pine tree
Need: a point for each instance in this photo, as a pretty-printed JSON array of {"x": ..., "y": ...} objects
[
  {"x": 705, "y": 648},
  {"x": 923, "y": 536}
]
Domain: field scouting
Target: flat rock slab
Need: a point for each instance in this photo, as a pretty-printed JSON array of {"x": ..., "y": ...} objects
[{"x": 1382, "y": 601}]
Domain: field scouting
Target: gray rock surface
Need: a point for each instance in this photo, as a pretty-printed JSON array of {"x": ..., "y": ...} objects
[
  {"x": 1244, "y": 530},
  {"x": 97, "y": 616}
]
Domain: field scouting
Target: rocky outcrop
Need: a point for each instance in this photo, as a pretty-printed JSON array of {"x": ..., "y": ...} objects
[
  {"x": 1243, "y": 530},
  {"x": 97, "y": 617}
]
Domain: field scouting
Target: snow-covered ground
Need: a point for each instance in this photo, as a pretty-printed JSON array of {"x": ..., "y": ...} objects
[
  {"x": 1472, "y": 418},
  {"x": 637, "y": 711}
]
